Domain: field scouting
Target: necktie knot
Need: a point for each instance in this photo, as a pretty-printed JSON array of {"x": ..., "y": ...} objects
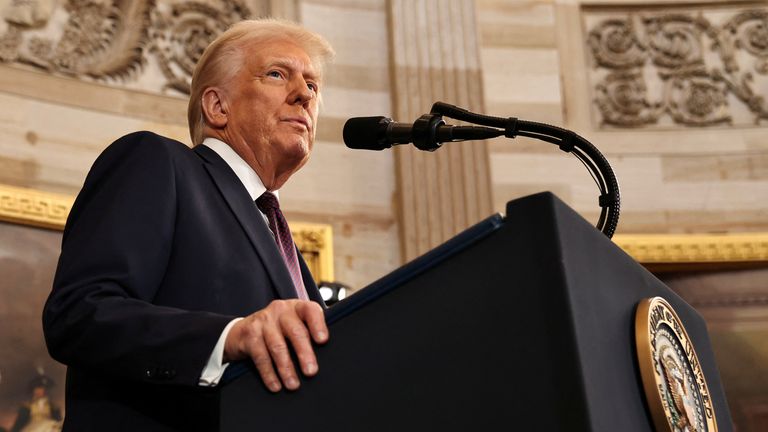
[{"x": 267, "y": 201}]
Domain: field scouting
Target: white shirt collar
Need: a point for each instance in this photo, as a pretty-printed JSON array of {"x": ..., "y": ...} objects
[{"x": 244, "y": 172}]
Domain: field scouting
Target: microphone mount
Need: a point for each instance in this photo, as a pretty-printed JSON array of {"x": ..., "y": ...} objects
[
  {"x": 568, "y": 141},
  {"x": 425, "y": 132}
]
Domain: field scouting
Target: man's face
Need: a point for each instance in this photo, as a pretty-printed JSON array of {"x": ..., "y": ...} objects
[{"x": 273, "y": 109}]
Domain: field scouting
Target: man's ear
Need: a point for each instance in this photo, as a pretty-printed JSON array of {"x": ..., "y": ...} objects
[{"x": 215, "y": 109}]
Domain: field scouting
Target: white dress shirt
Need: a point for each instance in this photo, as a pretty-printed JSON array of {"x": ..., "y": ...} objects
[{"x": 215, "y": 367}]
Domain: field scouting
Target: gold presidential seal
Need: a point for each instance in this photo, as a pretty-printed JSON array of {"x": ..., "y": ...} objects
[{"x": 675, "y": 388}]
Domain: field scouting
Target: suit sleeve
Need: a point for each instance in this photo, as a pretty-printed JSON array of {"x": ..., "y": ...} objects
[{"x": 115, "y": 249}]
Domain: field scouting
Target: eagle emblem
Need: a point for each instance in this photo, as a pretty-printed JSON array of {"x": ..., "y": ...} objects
[{"x": 674, "y": 383}]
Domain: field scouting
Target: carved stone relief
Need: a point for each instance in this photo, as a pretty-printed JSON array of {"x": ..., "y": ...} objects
[
  {"x": 661, "y": 67},
  {"x": 149, "y": 45}
]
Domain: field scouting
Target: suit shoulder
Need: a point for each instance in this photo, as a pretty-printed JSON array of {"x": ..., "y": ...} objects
[
  {"x": 141, "y": 149},
  {"x": 145, "y": 141}
]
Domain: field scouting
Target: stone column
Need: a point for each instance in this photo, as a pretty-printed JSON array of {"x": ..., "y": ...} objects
[{"x": 435, "y": 57}]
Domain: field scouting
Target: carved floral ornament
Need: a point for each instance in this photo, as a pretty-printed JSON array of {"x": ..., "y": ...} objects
[
  {"x": 116, "y": 41},
  {"x": 655, "y": 68}
]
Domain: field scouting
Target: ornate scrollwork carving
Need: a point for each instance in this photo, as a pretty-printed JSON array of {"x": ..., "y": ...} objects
[
  {"x": 116, "y": 39},
  {"x": 181, "y": 32},
  {"x": 750, "y": 31},
  {"x": 101, "y": 39},
  {"x": 674, "y": 41},
  {"x": 622, "y": 97},
  {"x": 693, "y": 65},
  {"x": 697, "y": 101},
  {"x": 615, "y": 45}
]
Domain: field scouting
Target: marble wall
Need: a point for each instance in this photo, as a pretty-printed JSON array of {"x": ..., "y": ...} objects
[{"x": 673, "y": 95}]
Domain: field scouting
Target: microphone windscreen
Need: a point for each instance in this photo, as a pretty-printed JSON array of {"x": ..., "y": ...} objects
[{"x": 366, "y": 133}]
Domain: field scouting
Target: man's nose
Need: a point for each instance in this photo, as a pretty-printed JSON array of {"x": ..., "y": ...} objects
[{"x": 301, "y": 94}]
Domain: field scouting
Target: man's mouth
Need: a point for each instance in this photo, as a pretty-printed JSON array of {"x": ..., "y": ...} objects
[{"x": 298, "y": 122}]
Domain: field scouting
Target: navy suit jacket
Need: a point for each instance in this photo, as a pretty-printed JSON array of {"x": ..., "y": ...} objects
[{"x": 163, "y": 247}]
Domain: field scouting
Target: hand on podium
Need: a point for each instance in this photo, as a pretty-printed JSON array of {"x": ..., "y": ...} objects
[{"x": 264, "y": 335}]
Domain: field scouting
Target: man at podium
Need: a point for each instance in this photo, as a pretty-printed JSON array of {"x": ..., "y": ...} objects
[{"x": 177, "y": 261}]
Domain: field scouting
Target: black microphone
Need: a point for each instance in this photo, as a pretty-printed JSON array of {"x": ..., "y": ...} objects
[{"x": 427, "y": 133}]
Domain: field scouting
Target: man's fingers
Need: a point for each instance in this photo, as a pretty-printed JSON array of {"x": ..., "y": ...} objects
[
  {"x": 263, "y": 361},
  {"x": 296, "y": 332},
  {"x": 312, "y": 314},
  {"x": 271, "y": 333},
  {"x": 281, "y": 356}
]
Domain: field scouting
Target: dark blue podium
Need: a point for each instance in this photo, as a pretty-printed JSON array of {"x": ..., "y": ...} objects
[{"x": 524, "y": 322}]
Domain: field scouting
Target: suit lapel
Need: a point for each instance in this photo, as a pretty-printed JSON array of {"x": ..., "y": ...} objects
[{"x": 250, "y": 220}]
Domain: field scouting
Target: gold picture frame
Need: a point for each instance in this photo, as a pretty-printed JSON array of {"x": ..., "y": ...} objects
[{"x": 49, "y": 210}]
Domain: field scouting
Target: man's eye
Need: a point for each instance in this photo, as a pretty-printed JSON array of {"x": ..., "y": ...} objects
[
  {"x": 312, "y": 86},
  {"x": 274, "y": 74}
]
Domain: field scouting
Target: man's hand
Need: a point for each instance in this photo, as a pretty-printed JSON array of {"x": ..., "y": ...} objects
[{"x": 263, "y": 336}]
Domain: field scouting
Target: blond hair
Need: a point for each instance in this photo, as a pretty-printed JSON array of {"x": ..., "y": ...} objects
[{"x": 222, "y": 59}]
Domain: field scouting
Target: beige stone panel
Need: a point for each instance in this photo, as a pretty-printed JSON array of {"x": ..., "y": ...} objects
[
  {"x": 330, "y": 129},
  {"x": 359, "y": 36},
  {"x": 521, "y": 75},
  {"x": 519, "y": 145},
  {"x": 690, "y": 222},
  {"x": 534, "y": 168},
  {"x": 350, "y": 4},
  {"x": 756, "y": 140},
  {"x": 713, "y": 168},
  {"x": 344, "y": 103},
  {"x": 641, "y": 180},
  {"x": 61, "y": 142},
  {"x": 504, "y": 35},
  {"x": 696, "y": 196},
  {"x": 510, "y": 23},
  {"x": 550, "y": 113},
  {"x": 365, "y": 253},
  {"x": 357, "y": 77},
  {"x": 514, "y": 62},
  {"x": 559, "y": 173},
  {"x": 72, "y": 92},
  {"x": 692, "y": 141},
  {"x": 18, "y": 172},
  {"x": 515, "y": 11},
  {"x": 338, "y": 176}
]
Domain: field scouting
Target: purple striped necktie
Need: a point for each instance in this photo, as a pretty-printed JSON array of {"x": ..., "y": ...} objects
[{"x": 268, "y": 204}]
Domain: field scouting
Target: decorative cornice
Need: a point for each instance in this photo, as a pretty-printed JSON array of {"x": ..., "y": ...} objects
[
  {"x": 35, "y": 208},
  {"x": 695, "y": 248}
]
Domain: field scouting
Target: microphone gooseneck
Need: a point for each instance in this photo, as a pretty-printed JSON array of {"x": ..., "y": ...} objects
[{"x": 429, "y": 131}]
